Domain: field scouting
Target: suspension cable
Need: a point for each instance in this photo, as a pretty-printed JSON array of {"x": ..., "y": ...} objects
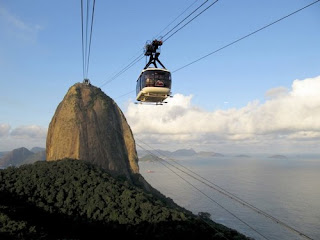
[
  {"x": 86, "y": 39},
  {"x": 111, "y": 76},
  {"x": 226, "y": 193},
  {"x": 86, "y": 63},
  {"x": 185, "y": 19},
  {"x": 92, "y": 17},
  {"x": 210, "y": 198},
  {"x": 246, "y": 36},
  {"x": 186, "y": 182},
  {"x": 86, "y": 35},
  {"x": 221, "y": 48},
  {"x": 159, "y": 34},
  {"x": 218, "y": 189},
  {"x": 125, "y": 94},
  {"x": 189, "y": 21},
  {"x": 83, "y": 57},
  {"x": 136, "y": 60}
]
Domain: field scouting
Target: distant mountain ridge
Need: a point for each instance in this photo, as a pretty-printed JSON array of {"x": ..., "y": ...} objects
[
  {"x": 149, "y": 155},
  {"x": 242, "y": 156},
  {"x": 22, "y": 155},
  {"x": 184, "y": 152},
  {"x": 278, "y": 156},
  {"x": 37, "y": 149}
]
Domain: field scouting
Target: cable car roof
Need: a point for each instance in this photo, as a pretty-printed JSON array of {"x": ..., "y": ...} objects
[{"x": 155, "y": 69}]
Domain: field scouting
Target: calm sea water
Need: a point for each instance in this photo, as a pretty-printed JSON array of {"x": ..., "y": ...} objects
[{"x": 288, "y": 189}]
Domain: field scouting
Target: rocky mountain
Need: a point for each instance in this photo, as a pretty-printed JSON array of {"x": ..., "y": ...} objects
[
  {"x": 21, "y": 156},
  {"x": 3, "y": 153},
  {"x": 15, "y": 157},
  {"x": 89, "y": 125},
  {"x": 37, "y": 156},
  {"x": 37, "y": 149}
]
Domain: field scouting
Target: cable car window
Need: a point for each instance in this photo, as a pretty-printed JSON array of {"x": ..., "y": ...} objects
[
  {"x": 143, "y": 81},
  {"x": 138, "y": 88},
  {"x": 150, "y": 79},
  {"x": 162, "y": 79},
  {"x": 158, "y": 76},
  {"x": 155, "y": 78}
]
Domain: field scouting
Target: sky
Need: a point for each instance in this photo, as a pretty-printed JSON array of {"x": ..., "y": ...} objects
[{"x": 259, "y": 95}]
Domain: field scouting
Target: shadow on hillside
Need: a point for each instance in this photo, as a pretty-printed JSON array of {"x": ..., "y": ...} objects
[{"x": 21, "y": 220}]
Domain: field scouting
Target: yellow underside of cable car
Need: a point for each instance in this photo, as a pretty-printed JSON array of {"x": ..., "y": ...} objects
[{"x": 153, "y": 94}]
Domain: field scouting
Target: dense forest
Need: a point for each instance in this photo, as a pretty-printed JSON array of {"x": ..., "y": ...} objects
[{"x": 73, "y": 199}]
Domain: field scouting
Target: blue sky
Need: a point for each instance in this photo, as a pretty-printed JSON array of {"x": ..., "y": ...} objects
[{"x": 40, "y": 58}]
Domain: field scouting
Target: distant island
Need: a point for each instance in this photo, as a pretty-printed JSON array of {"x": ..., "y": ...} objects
[
  {"x": 278, "y": 156},
  {"x": 242, "y": 156},
  {"x": 209, "y": 154},
  {"x": 152, "y": 155},
  {"x": 150, "y": 158}
]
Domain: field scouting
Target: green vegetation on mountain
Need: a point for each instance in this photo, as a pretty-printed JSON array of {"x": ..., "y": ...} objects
[{"x": 70, "y": 199}]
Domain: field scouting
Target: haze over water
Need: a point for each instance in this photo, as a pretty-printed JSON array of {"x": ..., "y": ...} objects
[{"x": 288, "y": 189}]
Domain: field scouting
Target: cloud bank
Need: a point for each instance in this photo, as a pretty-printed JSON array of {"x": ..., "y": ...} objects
[
  {"x": 22, "y": 136},
  {"x": 288, "y": 121}
]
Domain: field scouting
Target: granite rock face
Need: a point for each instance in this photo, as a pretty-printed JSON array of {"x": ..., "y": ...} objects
[{"x": 88, "y": 125}]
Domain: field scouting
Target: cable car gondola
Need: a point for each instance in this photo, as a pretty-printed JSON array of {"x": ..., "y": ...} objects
[{"x": 153, "y": 84}]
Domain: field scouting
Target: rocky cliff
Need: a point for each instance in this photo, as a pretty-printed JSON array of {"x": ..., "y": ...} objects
[{"x": 89, "y": 125}]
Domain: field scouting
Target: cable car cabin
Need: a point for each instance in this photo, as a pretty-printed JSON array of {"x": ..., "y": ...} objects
[{"x": 153, "y": 85}]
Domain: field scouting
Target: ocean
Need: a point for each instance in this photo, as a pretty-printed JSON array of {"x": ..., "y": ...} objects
[{"x": 285, "y": 188}]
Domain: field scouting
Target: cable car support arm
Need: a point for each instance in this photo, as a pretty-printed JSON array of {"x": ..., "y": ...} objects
[{"x": 152, "y": 51}]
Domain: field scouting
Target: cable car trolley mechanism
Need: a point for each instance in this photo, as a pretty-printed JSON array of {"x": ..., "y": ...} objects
[{"x": 153, "y": 84}]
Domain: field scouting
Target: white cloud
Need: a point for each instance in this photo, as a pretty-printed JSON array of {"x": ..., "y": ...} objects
[
  {"x": 32, "y": 131},
  {"x": 4, "y": 129},
  {"x": 18, "y": 27},
  {"x": 287, "y": 116},
  {"x": 22, "y": 136},
  {"x": 276, "y": 92}
]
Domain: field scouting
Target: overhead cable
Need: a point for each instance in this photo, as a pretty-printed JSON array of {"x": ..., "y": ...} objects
[
  {"x": 224, "y": 192},
  {"x": 185, "y": 18},
  {"x": 125, "y": 94},
  {"x": 210, "y": 198},
  {"x": 86, "y": 34},
  {"x": 188, "y": 21},
  {"x": 246, "y": 36},
  {"x": 159, "y": 35},
  {"x": 136, "y": 60}
]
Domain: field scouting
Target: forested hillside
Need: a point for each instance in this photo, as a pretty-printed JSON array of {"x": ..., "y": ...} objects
[{"x": 73, "y": 199}]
